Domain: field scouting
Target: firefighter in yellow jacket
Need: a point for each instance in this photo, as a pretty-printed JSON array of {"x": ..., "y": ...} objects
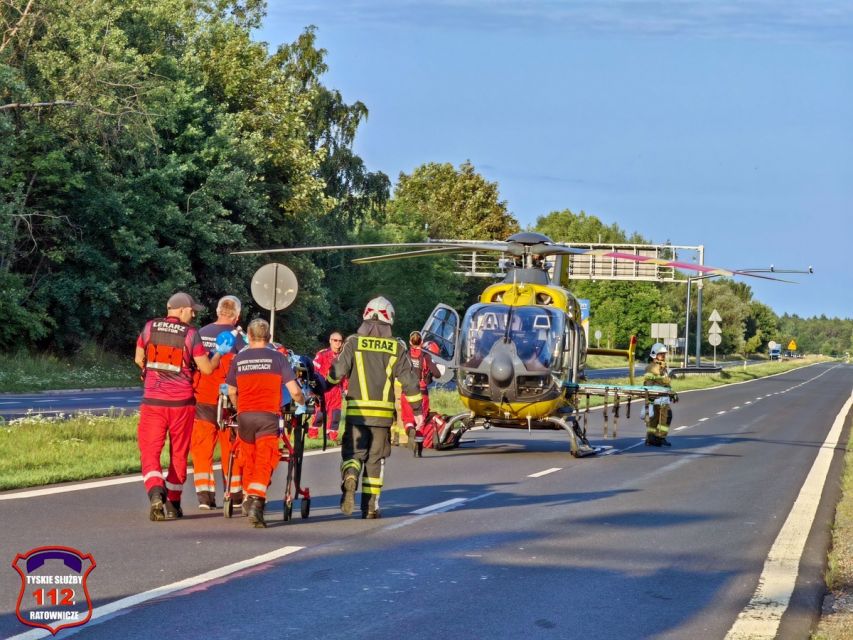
[
  {"x": 660, "y": 413},
  {"x": 373, "y": 359}
]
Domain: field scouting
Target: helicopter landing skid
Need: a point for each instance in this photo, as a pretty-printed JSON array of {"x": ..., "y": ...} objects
[
  {"x": 449, "y": 438},
  {"x": 579, "y": 444}
]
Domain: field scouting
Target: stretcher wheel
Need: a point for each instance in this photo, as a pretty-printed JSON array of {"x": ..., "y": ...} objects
[
  {"x": 288, "y": 511},
  {"x": 305, "y": 508},
  {"x": 227, "y": 508}
]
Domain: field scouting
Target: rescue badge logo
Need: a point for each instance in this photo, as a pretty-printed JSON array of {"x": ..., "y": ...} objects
[{"x": 53, "y": 592}]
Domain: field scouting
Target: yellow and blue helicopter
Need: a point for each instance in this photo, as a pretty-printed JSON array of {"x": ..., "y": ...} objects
[{"x": 518, "y": 355}]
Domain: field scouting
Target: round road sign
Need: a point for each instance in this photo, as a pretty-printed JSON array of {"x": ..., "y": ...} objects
[
  {"x": 598, "y": 334},
  {"x": 772, "y": 344},
  {"x": 274, "y": 286},
  {"x": 715, "y": 339}
]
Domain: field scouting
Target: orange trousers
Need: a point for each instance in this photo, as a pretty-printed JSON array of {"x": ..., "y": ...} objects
[
  {"x": 203, "y": 443},
  {"x": 258, "y": 460}
]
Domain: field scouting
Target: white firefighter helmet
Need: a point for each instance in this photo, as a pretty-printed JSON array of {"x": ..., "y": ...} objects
[
  {"x": 657, "y": 347},
  {"x": 379, "y": 308}
]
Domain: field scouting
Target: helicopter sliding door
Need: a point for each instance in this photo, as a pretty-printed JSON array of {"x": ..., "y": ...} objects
[{"x": 442, "y": 327}]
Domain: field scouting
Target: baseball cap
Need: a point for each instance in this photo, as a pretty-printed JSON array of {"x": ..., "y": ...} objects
[{"x": 181, "y": 300}]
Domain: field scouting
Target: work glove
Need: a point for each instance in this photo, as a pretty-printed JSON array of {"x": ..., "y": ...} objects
[
  {"x": 224, "y": 342},
  {"x": 301, "y": 410},
  {"x": 223, "y": 389},
  {"x": 674, "y": 397}
]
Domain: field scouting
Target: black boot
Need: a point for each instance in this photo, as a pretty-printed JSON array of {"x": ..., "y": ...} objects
[
  {"x": 156, "y": 498},
  {"x": 173, "y": 509},
  {"x": 348, "y": 487},
  {"x": 369, "y": 510},
  {"x": 256, "y": 512}
]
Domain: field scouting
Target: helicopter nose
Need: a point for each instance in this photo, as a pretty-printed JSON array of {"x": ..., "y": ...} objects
[{"x": 502, "y": 370}]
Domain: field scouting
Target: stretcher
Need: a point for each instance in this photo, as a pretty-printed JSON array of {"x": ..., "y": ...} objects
[{"x": 292, "y": 432}]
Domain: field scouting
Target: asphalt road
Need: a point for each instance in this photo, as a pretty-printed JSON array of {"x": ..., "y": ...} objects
[{"x": 505, "y": 537}]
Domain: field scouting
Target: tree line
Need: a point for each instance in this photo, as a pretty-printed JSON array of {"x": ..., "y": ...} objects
[{"x": 142, "y": 141}]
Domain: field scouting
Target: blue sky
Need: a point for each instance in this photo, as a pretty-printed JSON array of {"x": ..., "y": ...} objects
[{"x": 727, "y": 124}]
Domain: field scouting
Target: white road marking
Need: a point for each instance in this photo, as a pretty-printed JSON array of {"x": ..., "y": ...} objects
[
  {"x": 12, "y": 402},
  {"x": 447, "y": 505},
  {"x": 633, "y": 446},
  {"x": 46, "y": 401},
  {"x": 681, "y": 427},
  {"x": 748, "y": 402},
  {"x": 761, "y": 617},
  {"x": 82, "y": 486},
  {"x": 545, "y": 473},
  {"x": 735, "y": 408},
  {"x": 719, "y": 413},
  {"x": 702, "y": 419},
  {"x": 102, "y": 612}
]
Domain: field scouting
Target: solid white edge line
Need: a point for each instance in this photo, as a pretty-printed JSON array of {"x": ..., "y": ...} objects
[
  {"x": 761, "y": 617},
  {"x": 81, "y": 486},
  {"x": 159, "y": 592},
  {"x": 545, "y": 473}
]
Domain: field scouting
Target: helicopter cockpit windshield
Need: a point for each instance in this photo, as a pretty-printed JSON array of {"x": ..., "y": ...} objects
[{"x": 536, "y": 332}]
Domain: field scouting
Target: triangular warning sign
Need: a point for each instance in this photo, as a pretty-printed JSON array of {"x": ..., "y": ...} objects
[
  {"x": 715, "y": 328},
  {"x": 792, "y": 346},
  {"x": 715, "y": 316}
]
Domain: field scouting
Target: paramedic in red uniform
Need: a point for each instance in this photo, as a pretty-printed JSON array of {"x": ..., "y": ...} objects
[
  {"x": 206, "y": 432},
  {"x": 334, "y": 393},
  {"x": 167, "y": 351},
  {"x": 373, "y": 360},
  {"x": 427, "y": 370},
  {"x": 255, "y": 379}
]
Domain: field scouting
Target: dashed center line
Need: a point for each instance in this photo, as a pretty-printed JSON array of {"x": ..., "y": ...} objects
[
  {"x": 735, "y": 408},
  {"x": 719, "y": 413},
  {"x": 702, "y": 419},
  {"x": 544, "y": 473}
]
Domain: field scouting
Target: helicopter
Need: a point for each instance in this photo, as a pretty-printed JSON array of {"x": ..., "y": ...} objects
[{"x": 518, "y": 355}]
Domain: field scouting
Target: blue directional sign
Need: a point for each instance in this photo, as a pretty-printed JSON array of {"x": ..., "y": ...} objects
[{"x": 584, "y": 303}]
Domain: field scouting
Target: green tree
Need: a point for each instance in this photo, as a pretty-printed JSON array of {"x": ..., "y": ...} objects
[{"x": 451, "y": 203}]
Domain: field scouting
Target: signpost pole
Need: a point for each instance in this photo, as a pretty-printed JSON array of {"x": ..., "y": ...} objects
[
  {"x": 274, "y": 303},
  {"x": 687, "y": 326},
  {"x": 699, "y": 286}
]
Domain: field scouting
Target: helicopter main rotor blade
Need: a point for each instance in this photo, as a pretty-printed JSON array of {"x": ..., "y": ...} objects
[
  {"x": 410, "y": 254},
  {"x": 684, "y": 266},
  {"x": 556, "y": 250},
  {"x": 339, "y": 247}
]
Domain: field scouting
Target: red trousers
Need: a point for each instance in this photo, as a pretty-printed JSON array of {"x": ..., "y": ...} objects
[
  {"x": 259, "y": 460},
  {"x": 154, "y": 424},
  {"x": 408, "y": 414},
  {"x": 203, "y": 443},
  {"x": 333, "y": 400}
]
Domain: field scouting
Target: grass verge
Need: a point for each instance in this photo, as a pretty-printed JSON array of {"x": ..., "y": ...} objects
[
  {"x": 38, "y": 450},
  {"x": 837, "y": 620},
  {"x": 89, "y": 368}
]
